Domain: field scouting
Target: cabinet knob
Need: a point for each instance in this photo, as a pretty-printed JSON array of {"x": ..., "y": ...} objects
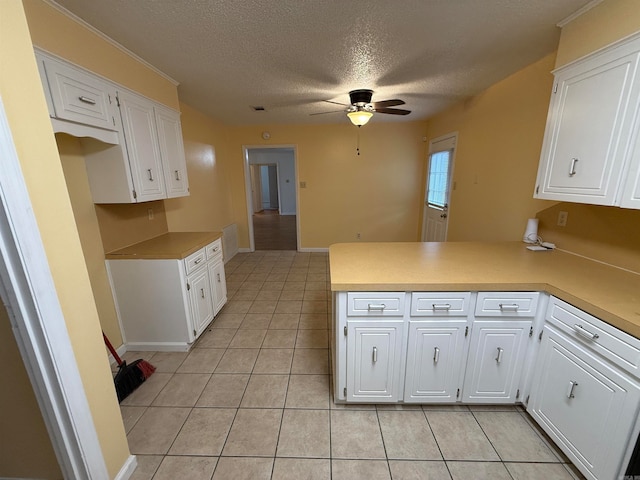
[
  {"x": 202, "y": 292},
  {"x": 436, "y": 355},
  {"x": 150, "y": 174},
  {"x": 499, "y": 357},
  {"x": 177, "y": 172},
  {"x": 375, "y": 354}
]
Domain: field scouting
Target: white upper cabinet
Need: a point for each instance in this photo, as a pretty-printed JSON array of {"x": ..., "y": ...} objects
[
  {"x": 172, "y": 152},
  {"x": 141, "y": 138},
  {"x": 132, "y": 145},
  {"x": 79, "y": 97},
  {"x": 591, "y": 123}
]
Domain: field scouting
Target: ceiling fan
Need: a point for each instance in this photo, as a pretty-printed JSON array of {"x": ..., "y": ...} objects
[{"x": 362, "y": 109}]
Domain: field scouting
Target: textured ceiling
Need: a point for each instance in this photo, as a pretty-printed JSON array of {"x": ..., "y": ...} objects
[{"x": 291, "y": 55}]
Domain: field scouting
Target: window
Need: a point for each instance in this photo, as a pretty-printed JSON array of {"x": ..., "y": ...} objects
[{"x": 438, "y": 179}]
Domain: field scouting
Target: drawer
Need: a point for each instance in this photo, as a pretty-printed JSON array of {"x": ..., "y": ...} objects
[
  {"x": 195, "y": 261},
  {"x": 507, "y": 304},
  {"x": 79, "y": 97},
  {"x": 214, "y": 249},
  {"x": 440, "y": 304},
  {"x": 382, "y": 304},
  {"x": 613, "y": 344}
]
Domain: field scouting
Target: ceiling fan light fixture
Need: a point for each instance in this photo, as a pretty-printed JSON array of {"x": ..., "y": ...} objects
[{"x": 359, "y": 117}]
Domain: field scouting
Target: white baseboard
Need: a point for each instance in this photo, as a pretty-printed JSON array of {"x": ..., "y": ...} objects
[
  {"x": 314, "y": 250},
  {"x": 127, "y": 469},
  {"x": 244, "y": 250},
  {"x": 158, "y": 347}
]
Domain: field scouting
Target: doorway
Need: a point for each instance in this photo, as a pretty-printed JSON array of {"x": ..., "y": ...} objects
[
  {"x": 272, "y": 197},
  {"x": 436, "y": 214}
]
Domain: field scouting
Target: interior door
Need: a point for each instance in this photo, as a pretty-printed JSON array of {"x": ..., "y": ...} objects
[
  {"x": 437, "y": 190},
  {"x": 256, "y": 188}
]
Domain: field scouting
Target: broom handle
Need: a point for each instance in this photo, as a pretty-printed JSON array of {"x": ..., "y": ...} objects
[{"x": 111, "y": 349}]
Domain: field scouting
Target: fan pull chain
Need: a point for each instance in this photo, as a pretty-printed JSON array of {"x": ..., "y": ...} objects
[{"x": 358, "y": 142}]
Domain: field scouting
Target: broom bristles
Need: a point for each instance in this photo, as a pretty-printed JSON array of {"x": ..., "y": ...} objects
[{"x": 146, "y": 368}]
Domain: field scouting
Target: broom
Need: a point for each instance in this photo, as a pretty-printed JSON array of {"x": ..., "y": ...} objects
[{"x": 129, "y": 377}]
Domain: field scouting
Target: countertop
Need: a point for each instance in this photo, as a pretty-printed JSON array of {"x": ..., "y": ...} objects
[
  {"x": 609, "y": 293},
  {"x": 172, "y": 245}
]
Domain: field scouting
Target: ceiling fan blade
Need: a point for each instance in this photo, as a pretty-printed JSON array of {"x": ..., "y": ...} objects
[
  {"x": 337, "y": 103},
  {"x": 332, "y": 111},
  {"x": 393, "y": 111},
  {"x": 387, "y": 103}
]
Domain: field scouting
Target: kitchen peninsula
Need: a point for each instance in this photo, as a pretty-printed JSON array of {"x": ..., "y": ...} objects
[{"x": 494, "y": 323}]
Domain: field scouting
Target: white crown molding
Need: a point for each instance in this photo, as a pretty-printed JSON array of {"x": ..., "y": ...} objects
[
  {"x": 109, "y": 40},
  {"x": 578, "y": 12}
]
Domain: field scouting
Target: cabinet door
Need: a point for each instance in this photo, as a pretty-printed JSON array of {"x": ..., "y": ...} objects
[
  {"x": 588, "y": 130},
  {"x": 373, "y": 361},
  {"x": 172, "y": 152},
  {"x": 434, "y": 361},
  {"x": 201, "y": 301},
  {"x": 218, "y": 285},
  {"x": 587, "y": 407},
  {"x": 496, "y": 358},
  {"x": 141, "y": 136},
  {"x": 79, "y": 97},
  {"x": 630, "y": 195}
]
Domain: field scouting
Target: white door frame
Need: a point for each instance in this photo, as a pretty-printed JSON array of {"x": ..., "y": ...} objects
[
  {"x": 249, "y": 199},
  {"x": 28, "y": 292},
  {"x": 450, "y": 140}
]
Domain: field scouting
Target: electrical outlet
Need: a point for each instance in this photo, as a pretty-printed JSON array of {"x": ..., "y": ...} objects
[
  {"x": 562, "y": 219},
  {"x": 303, "y": 184},
  {"x": 150, "y": 213},
  {"x": 358, "y": 236}
]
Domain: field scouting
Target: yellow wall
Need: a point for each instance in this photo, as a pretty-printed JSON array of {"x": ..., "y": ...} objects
[
  {"x": 496, "y": 160},
  {"x": 611, "y": 20},
  {"x": 608, "y": 234},
  {"x": 377, "y": 193},
  {"x": 27, "y": 114},
  {"x": 58, "y": 34},
  {"x": 20, "y": 418},
  {"x": 75, "y": 174}
]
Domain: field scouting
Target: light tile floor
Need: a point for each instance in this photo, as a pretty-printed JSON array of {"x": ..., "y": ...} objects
[{"x": 252, "y": 401}]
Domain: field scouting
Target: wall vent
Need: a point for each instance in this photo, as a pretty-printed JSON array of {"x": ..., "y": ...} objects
[{"x": 229, "y": 241}]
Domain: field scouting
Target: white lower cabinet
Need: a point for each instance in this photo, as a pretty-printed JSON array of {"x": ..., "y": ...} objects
[
  {"x": 435, "y": 353},
  {"x": 496, "y": 359},
  {"x": 201, "y": 300},
  {"x": 374, "y": 359},
  {"x": 166, "y": 304},
  {"x": 585, "y": 405}
]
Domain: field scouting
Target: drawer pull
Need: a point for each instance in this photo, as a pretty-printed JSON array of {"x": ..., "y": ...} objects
[
  {"x": 580, "y": 330},
  {"x": 198, "y": 261},
  {"x": 436, "y": 355},
  {"x": 441, "y": 307},
  {"x": 219, "y": 278},
  {"x": 508, "y": 307},
  {"x": 572, "y": 387},
  {"x": 375, "y": 354},
  {"x": 499, "y": 357},
  {"x": 202, "y": 292},
  {"x": 216, "y": 249},
  {"x": 150, "y": 174},
  {"x": 177, "y": 175},
  {"x": 376, "y": 306},
  {"x": 88, "y": 100},
  {"x": 572, "y": 167}
]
